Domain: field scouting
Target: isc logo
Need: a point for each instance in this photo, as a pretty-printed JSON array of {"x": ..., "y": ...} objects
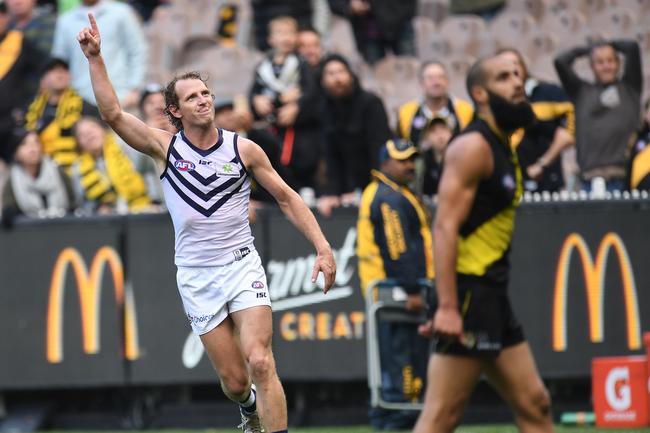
[
  {"x": 184, "y": 165},
  {"x": 262, "y": 295}
]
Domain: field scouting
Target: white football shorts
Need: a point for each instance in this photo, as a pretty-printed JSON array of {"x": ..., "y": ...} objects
[{"x": 211, "y": 293}]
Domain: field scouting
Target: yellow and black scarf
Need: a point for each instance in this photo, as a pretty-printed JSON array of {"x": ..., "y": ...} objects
[
  {"x": 120, "y": 180},
  {"x": 57, "y": 138}
]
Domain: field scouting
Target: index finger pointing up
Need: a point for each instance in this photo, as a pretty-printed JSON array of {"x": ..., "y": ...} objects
[{"x": 93, "y": 23}]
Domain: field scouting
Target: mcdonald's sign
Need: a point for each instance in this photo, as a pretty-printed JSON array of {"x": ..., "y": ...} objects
[
  {"x": 594, "y": 277},
  {"x": 89, "y": 287}
]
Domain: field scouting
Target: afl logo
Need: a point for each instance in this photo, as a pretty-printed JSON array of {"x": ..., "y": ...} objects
[
  {"x": 257, "y": 285},
  {"x": 183, "y": 165}
]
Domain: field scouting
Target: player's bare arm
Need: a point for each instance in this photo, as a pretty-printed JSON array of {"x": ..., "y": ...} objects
[
  {"x": 133, "y": 131},
  {"x": 468, "y": 160},
  {"x": 292, "y": 205}
]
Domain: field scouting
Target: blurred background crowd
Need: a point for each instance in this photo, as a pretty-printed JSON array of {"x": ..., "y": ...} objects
[{"x": 320, "y": 85}]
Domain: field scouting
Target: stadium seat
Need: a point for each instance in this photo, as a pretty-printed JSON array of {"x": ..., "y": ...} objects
[
  {"x": 568, "y": 26},
  {"x": 534, "y": 8},
  {"x": 541, "y": 51},
  {"x": 512, "y": 29},
  {"x": 230, "y": 69},
  {"x": 464, "y": 33},
  {"x": 341, "y": 39},
  {"x": 457, "y": 67},
  {"x": 614, "y": 23},
  {"x": 436, "y": 10},
  {"x": 425, "y": 31},
  {"x": 398, "y": 80}
]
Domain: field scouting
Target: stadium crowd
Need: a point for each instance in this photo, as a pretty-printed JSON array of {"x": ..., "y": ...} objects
[{"x": 320, "y": 86}]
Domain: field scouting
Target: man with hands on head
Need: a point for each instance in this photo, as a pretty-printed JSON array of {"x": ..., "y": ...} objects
[{"x": 206, "y": 181}]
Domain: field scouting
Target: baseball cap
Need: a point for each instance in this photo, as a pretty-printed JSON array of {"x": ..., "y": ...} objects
[{"x": 398, "y": 149}]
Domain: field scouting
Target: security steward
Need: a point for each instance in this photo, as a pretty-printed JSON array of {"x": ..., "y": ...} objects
[{"x": 394, "y": 242}]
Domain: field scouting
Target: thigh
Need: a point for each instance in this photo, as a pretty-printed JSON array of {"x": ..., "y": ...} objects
[
  {"x": 514, "y": 373},
  {"x": 223, "y": 349},
  {"x": 450, "y": 381},
  {"x": 254, "y": 327}
]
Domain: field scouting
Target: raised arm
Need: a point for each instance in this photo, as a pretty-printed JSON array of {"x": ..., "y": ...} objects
[
  {"x": 133, "y": 131},
  {"x": 293, "y": 207},
  {"x": 632, "y": 74},
  {"x": 564, "y": 67},
  {"x": 468, "y": 159}
]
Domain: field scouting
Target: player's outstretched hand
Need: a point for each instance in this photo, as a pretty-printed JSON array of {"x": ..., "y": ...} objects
[
  {"x": 325, "y": 263},
  {"x": 89, "y": 39}
]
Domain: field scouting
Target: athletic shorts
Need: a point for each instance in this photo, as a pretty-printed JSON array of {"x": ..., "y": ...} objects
[
  {"x": 211, "y": 293},
  {"x": 489, "y": 323}
]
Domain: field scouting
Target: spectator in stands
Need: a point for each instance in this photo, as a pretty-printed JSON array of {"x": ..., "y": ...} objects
[
  {"x": 37, "y": 187},
  {"x": 264, "y": 11},
  {"x": 54, "y": 112},
  {"x": 379, "y": 26},
  {"x": 356, "y": 126},
  {"x": 240, "y": 120},
  {"x": 432, "y": 146},
  {"x": 103, "y": 174},
  {"x": 18, "y": 59},
  {"x": 394, "y": 242},
  {"x": 540, "y": 146},
  {"x": 436, "y": 102},
  {"x": 152, "y": 110},
  {"x": 640, "y": 160},
  {"x": 607, "y": 111},
  {"x": 284, "y": 94},
  {"x": 123, "y": 45},
  {"x": 310, "y": 47},
  {"x": 36, "y": 23}
]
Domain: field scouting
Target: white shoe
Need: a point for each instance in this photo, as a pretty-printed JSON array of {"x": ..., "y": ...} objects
[{"x": 250, "y": 423}]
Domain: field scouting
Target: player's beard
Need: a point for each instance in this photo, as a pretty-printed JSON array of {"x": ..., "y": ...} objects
[{"x": 508, "y": 116}]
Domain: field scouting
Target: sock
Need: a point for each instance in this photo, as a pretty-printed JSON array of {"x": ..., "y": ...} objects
[{"x": 249, "y": 405}]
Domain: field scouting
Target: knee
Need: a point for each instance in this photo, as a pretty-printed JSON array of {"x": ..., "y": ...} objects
[
  {"x": 261, "y": 365},
  {"x": 235, "y": 385},
  {"x": 535, "y": 406},
  {"x": 445, "y": 417}
]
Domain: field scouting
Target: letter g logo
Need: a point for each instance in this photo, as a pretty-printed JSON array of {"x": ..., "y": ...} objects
[{"x": 618, "y": 399}]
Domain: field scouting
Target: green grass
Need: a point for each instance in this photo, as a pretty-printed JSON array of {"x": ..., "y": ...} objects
[{"x": 496, "y": 428}]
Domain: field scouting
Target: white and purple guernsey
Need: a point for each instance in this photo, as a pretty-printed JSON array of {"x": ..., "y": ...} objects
[{"x": 207, "y": 194}]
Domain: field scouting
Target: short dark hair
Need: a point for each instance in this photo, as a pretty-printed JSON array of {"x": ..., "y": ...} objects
[
  {"x": 476, "y": 76},
  {"x": 428, "y": 63},
  {"x": 599, "y": 44},
  {"x": 171, "y": 98},
  {"x": 309, "y": 28}
]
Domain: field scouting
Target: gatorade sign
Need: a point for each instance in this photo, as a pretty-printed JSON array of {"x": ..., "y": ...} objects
[{"x": 620, "y": 391}]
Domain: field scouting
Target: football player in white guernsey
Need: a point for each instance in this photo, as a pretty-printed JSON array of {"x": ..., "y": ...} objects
[{"x": 205, "y": 174}]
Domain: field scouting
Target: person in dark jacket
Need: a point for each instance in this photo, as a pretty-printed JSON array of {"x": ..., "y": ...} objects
[
  {"x": 379, "y": 26},
  {"x": 607, "y": 111},
  {"x": 284, "y": 95},
  {"x": 19, "y": 58},
  {"x": 265, "y": 10},
  {"x": 394, "y": 242},
  {"x": 356, "y": 126}
]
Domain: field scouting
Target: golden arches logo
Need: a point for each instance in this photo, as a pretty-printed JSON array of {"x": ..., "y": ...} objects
[
  {"x": 89, "y": 287},
  {"x": 594, "y": 277}
]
